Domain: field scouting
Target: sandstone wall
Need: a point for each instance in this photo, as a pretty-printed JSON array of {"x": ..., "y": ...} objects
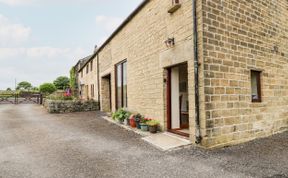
[{"x": 240, "y": 36}]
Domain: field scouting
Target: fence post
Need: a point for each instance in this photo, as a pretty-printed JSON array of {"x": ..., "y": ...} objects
[{"x": 41, "y": 99}]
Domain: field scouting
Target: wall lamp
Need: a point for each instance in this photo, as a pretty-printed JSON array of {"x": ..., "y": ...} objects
[{"x": 170, "y": 42}]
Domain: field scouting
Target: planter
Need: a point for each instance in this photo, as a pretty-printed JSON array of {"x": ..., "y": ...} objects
[
  {"x": 144, "y": 127},
  {"x": 138, "y": 125},
  {"x": 126, "y": 122},
  {"x": 132, "y": 122},
  {"x": 153, "y": 129}
]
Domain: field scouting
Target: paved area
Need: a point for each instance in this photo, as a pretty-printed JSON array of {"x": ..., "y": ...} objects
[
  {"x": 167, "y": 141},
  {"x": 35, "y": 144}
]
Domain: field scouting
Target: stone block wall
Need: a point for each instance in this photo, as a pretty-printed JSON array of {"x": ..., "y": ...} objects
[
  {"x": 142, "y": 43},
  {"x": 57, "y": 106},
  {"x": 240, "y": 36}
]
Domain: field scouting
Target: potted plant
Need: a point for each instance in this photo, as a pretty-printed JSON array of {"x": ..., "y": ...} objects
[
  {"x": 143, "y": 124},
  {"x": 126, "y": 121},
  {"x": 120, "y": 115},
  {"x": 138, "y": 118},
  {"x": 153, "y": 125},
  {"x": 132, "y": 121}
]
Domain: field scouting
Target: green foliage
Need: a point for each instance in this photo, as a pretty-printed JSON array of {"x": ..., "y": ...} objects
[
  {"x": 62, "y": 83},
  {"x": 73, "y": 83},
  {"x": 36, "y": 89},
  {"x": 65, "y": 98},
  {"x": 8, "y": 89},
  {"x": 47, "y": 88},
  {"x": 24, "y": 86},
  {"x": 153, "y": 123},
  {"x": 121, "y": 115},
  {"x": 138, "y": 117}
]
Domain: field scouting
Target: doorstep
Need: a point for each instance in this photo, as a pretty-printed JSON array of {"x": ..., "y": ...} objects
[
  {"x": 135, "y": 130},
  {"x": 167, "y": 141}
]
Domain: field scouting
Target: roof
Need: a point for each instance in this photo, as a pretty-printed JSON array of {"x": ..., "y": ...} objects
[
  {"x": 83, "y": 62},
  {"x": 124, "y": 23}
]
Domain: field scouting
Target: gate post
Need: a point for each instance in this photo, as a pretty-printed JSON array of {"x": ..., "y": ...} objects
[{"x": 41, "y": 99}]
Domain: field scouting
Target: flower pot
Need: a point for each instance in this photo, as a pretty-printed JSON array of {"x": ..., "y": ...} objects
[
  {"x": 132, "y": 122},
  {"x": 126, "y": 122},
  {"x": 138, "y": 125},
  {"x": 144, "y": 127},
  {"x": 153, "y": 129}
]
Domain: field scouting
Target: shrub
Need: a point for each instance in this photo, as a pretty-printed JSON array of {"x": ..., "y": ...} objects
[
  {"x": 47, "y": 88},
  {"x": 153, "y": 122},
  {"x": 121, "y": 115},
  {"x": 61, "y": 83}
]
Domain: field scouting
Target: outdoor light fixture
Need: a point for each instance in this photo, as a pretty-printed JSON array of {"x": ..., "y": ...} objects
[{"x": 170, "y": 42}]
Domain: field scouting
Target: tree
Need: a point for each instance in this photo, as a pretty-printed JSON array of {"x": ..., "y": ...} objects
[
  {"x": 61, "y": 83},
  {"x": 47, "y": 88},
  {"x": 73, "y": 83},
  {"x": 24, "y": 86},
  {"x": 8, "y": 89}
]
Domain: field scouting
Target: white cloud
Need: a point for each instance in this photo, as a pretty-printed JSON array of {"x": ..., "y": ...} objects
[
  {"x": 12, "y": 33},
  {"x": 108, "y": 23},
  {"x": 45, "y": 2},
  {"x": 41, "y": 53},
  {"x": 38, "y": 64},
  {"x": 16, "y": 2}
]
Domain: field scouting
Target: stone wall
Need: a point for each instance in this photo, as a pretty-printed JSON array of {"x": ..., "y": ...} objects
[
  {"x": 240, "y": 36},
  {"x": 57, "y": 106}
]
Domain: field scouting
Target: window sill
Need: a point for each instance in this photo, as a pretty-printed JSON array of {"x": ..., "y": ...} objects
[{"x": 174, "y": 8}]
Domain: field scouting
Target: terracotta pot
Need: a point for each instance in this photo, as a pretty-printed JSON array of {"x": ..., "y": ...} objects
[
  {"x": 153, "y": 129},
  {"x": 132, "y": 122}
]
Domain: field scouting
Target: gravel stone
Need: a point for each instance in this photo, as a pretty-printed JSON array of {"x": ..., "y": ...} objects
[{"x": 35, "y": 144}]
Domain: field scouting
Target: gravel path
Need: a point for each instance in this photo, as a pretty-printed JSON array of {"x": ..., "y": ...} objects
[{"x": 35, "y": 144}]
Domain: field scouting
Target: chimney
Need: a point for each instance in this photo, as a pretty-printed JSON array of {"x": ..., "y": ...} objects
[{"x": 95, "y": 49}]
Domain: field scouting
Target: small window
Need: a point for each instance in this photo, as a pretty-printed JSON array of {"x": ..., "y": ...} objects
[
  {"x": 87, "y": 69},
  {"x": 256, "y": 86},
  {"x": 81, "y": 73},
  {"x": 91, "y": 66},
  {"x": 92, "y": 91}
]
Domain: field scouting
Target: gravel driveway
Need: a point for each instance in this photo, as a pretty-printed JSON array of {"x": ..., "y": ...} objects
[{"x": 35, "y": 144}]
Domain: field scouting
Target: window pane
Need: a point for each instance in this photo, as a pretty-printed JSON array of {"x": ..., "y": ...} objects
[
  {"x": 255, "y": 86},
  {"x": 119, "y": 86},
  {"x": 125, "y": 84}
]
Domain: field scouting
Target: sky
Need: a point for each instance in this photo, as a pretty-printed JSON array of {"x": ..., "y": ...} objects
[{"x": 42, "y": 39}]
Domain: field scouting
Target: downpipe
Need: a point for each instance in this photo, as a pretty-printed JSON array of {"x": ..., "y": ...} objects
[{"x": 196, "y": 74}]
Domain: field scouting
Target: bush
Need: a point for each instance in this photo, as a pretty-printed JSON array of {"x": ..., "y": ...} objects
[
  {"x": 47, "y": 88},
  {"x": 64, "y": 98},
  {"x": 121, "y": 115},
  {"x": 153, "y": 123},
  {"x": 62, "y": 83}
]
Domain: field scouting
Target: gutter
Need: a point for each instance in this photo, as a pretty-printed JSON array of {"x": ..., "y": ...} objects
[{"x": 196, "y": 74}]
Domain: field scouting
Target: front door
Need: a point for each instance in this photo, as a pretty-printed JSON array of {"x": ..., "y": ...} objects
[{"x": 178, "y": 101}]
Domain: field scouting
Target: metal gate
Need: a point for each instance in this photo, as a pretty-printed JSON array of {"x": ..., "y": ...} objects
[{"x": 21, "y": 98}]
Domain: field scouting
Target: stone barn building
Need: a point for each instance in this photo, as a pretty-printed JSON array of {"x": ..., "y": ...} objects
[{"x": 215, "y": 71}]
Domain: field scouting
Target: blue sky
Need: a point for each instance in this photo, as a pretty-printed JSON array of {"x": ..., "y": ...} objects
[{"x": 41, "y": 39}]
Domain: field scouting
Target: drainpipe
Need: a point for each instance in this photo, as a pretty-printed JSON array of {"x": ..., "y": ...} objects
[
  {"x": 98, "y": 81},
  {"x": 196, "y": 74}
]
